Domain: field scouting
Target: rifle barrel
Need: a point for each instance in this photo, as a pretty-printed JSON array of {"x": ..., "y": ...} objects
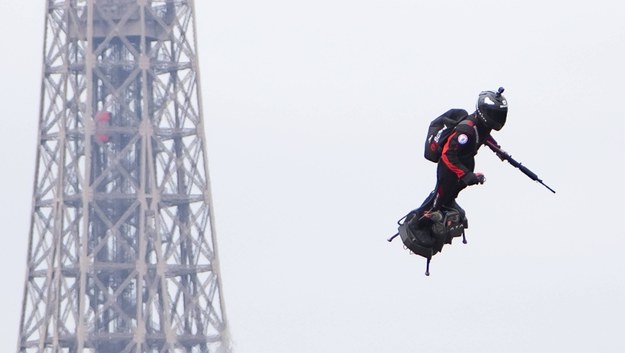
[{"x": 517, "y": 165}]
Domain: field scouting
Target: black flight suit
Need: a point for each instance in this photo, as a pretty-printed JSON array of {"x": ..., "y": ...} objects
[{"x": 455, "y": 168}]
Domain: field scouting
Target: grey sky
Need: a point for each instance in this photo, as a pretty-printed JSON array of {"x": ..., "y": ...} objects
[{"x": 315, "y": 115}]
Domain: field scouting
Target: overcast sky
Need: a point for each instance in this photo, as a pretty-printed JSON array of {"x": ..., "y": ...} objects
[{"x": 316, "y": 113}]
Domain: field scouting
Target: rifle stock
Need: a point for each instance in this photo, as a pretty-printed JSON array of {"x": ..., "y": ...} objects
[{"x": 516, "y": 164}]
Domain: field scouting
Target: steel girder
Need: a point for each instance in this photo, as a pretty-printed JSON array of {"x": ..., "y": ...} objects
[{"x": 122, "y": 253}]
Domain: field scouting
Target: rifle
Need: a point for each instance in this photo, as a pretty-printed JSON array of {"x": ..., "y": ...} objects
[{"x": 504, "y": 155}]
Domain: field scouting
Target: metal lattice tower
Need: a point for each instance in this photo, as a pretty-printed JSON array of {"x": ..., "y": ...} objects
[{"x": 122, "y": 252}]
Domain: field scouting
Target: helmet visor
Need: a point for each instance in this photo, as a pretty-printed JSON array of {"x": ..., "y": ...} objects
[{"x": 496, "y": 117}]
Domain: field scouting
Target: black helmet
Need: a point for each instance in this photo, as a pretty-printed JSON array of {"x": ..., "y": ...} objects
[{"x": 492, "y": 109}]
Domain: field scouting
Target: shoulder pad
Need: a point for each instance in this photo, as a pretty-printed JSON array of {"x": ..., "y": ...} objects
[{"x": 466, "y": 126}]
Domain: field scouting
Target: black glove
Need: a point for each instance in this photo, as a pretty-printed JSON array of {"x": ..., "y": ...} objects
[{"x": 473, "y": 178}]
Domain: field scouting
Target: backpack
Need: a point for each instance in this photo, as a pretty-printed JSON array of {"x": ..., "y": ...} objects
[{"x": 439, "y": 131}]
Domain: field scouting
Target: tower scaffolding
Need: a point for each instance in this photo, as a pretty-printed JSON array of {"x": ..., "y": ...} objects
[{"x": 122, "y": 253}]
